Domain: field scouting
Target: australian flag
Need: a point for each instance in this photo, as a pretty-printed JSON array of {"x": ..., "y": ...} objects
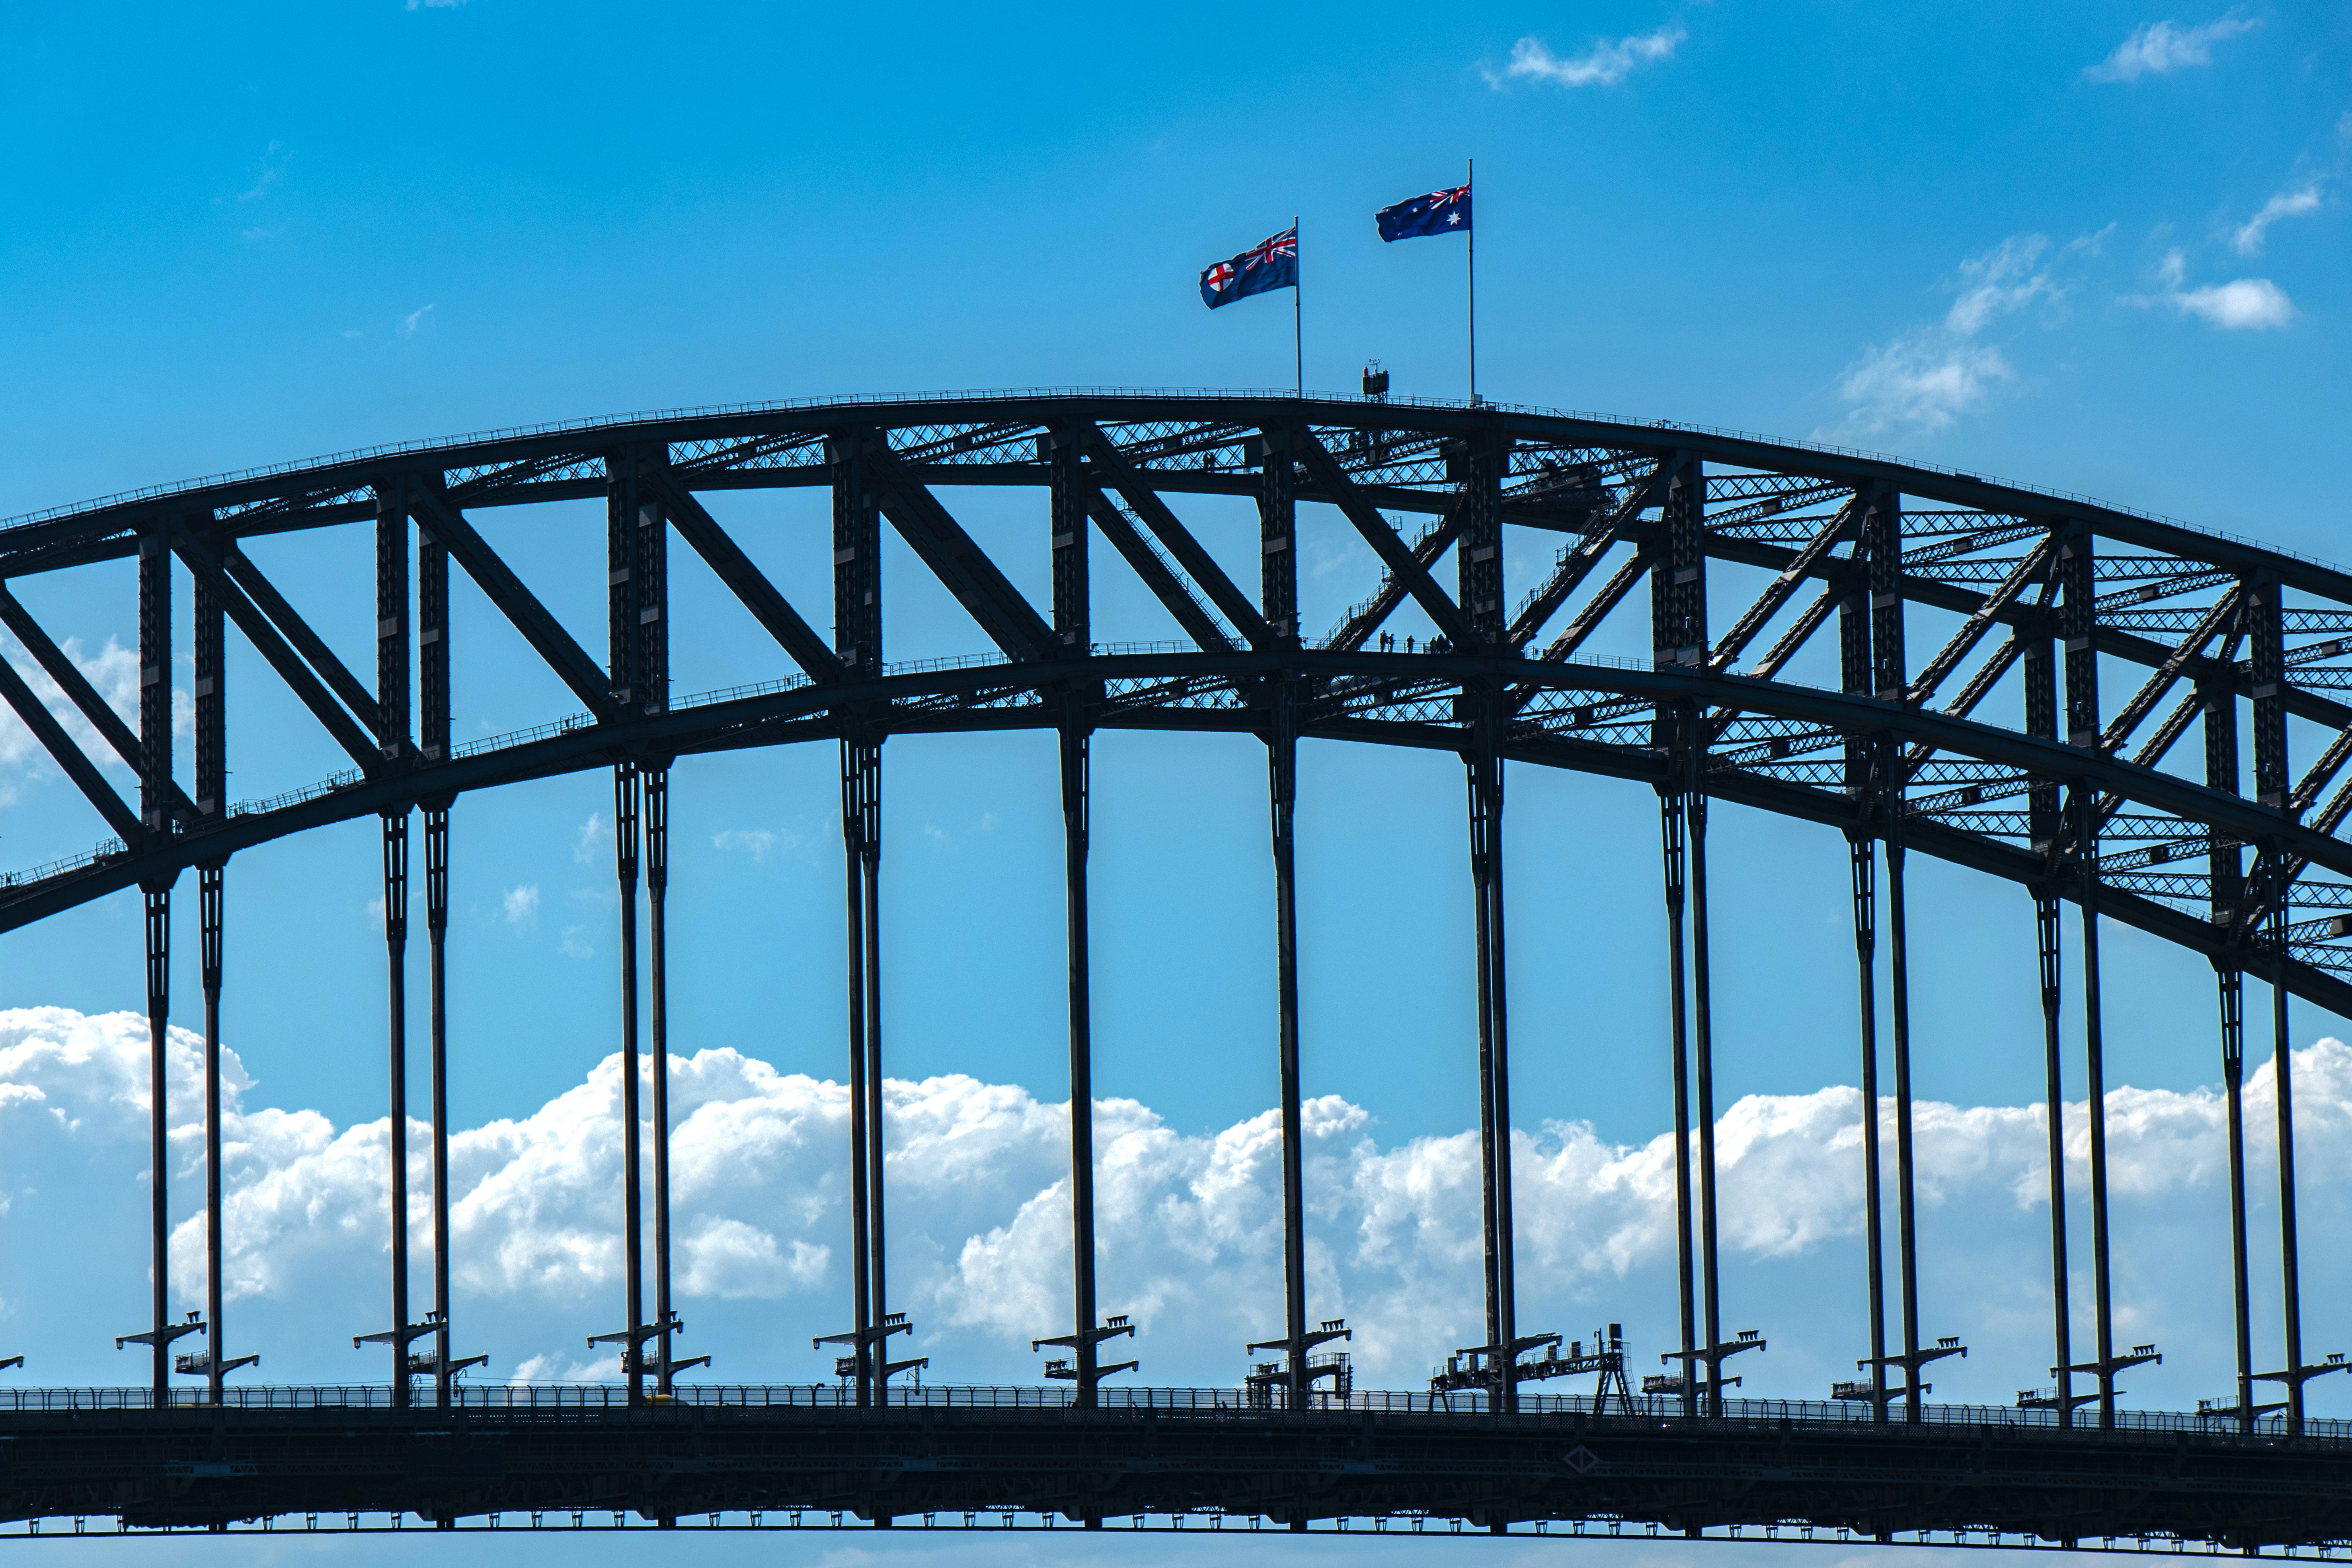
[
  {"x": 1440, "y": 212},
  {"x": 1273, "y": 264}
]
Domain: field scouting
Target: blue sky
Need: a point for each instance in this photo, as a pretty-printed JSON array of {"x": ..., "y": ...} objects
[{"x": 2100, "y": 248}]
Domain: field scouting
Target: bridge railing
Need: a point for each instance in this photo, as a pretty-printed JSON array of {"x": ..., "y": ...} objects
[{"x": 581, "y": 1396}]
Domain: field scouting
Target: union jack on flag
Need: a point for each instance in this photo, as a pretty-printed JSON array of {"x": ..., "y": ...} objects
[{"x": 1272, "y": 263}]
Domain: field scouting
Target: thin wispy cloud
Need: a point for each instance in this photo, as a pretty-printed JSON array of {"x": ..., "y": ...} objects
[
  {"x": 113, "y": 672},
  {"x": 759, "y": 843},
  {"x": 273, "y": 169},
  {"x": 2005, "y": 279},
  {"x": 2248, "y": 238},
  {"x": 1603, "y": 63},
  {"x": 521, "y": 905},
  {"x": 1929, "y": 376},
  {"x": 2243, "y": 304},
  {"x": 1921, "y": 380},
  {"x": 414, "y": 320},
  {"x": 2160, "y": 48}
]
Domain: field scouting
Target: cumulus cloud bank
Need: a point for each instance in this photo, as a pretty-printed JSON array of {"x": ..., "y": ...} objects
[{"x": 1189, "y": 1223}]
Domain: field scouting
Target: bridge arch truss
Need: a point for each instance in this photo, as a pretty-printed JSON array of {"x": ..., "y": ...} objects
[{"x": 2078, "y": 793}]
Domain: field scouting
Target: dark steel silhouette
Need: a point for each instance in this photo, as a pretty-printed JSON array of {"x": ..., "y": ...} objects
[{"x": 2073, "y": 804}]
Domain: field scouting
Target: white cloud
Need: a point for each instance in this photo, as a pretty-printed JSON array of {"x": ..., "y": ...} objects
[
  {"x": 734, "y": 1260},
  {"x": 1189, "y": 1223},
  {"x": 273, "y": 169},
  {"x": 556, "y": 1367},
  {"x": 2159, "y": 49},
  {"x": 112, "y": 673},
  {"x": 521, "y": 905},
  {"x": 2094, "y": 243},
  {"x": 595, "y": 835},
  {"x": 1932, "y": 375},
  {"x": 1327, "y": 552},
  {"x": 2248, "y": 239},
  {"x": 1921, "y": 379},
  {"x": 414, "y": 320},
  {"x": 758, "y": 843},
  {"x": 2243, "y": 304},
  {"x": 2004, "y": 279},
  {"x": 1604, "y": 64},
  {"x": 574, "y": 943},
  {"x": 1929, "y": 376}
]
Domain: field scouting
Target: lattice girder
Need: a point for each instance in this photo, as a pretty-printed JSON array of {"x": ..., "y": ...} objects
[{"x": 1974, "y": 567}]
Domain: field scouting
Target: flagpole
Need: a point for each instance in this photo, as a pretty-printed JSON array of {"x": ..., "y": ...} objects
[
  {"x": 1469, "y": 180},
  {"x": 1297, "y": 330}
]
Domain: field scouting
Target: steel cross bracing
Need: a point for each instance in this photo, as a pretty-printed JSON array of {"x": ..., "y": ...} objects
[{"x": 1995, "y": 751}]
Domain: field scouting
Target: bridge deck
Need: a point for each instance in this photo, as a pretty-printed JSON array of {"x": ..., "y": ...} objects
[
  {"x": 833, "y": 1396},
  {"x": 278, "y": 1455}
]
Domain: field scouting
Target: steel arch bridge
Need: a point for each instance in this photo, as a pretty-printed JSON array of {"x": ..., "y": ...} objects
[{"x": 2074, "y": 796}]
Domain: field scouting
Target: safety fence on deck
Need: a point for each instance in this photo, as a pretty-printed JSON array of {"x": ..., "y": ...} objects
[{"x": 1203, "y": 1401}]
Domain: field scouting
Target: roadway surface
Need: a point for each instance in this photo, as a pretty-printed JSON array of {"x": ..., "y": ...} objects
[{"x": 199, "y": 1465}]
